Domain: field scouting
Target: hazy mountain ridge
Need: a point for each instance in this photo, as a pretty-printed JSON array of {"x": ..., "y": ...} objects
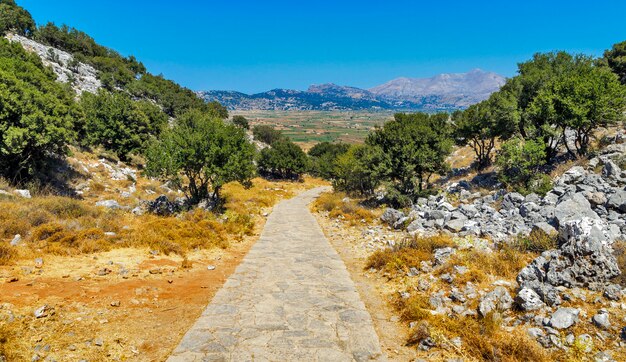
[{"x": 441, "y": 92}]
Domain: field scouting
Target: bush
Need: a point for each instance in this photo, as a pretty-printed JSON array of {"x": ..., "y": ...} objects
[
  {"x": 14, "y": 18},
  {"x": 200, "y": 154},
  {"x": 323, "y": 157},
  {"x": 417, "y": 146},
  {"x": 174, "y": 99},
  {"x": 360, "y": 170},
  {"x": 284, "y": 160},
  {"x": 119, "y": 124},
  {"x": 36, "y": 114},
  {"x": 241, "y": 121},
  {"x": 519, "y": 162},
  {"x": 267, "y": 134}
]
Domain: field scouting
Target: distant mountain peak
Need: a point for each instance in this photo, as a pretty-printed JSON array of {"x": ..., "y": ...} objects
[{"x": 447, "y": 91}]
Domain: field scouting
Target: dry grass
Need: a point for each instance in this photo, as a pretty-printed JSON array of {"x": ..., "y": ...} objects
[
  {"x": 67, "y": 226},
  {"x": 348, "y": 210},
  {"x": 537, "y": 242},
  {"x": 619, "y": 249},
  {"x": 408, "y": 253},
  {"x": 482, "y": 339}
]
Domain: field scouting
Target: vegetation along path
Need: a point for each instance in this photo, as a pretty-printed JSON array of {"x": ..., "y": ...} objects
[{"x": 291, "y": 299}]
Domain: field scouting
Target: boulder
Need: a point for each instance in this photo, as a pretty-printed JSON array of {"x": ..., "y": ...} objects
[
  {"x": 564, "y": 318},
  {"x": 573, "y": 208},
  {"x": 527, "y": 299},
  {"x": 601, "y": 319},
  {"x": 613, "y": 292},
  {"x": 544, "y": 228},
  {"x": 617, "y": 201},
  {"x": 512, "y": 200},
  {"x": 391, "y": 216},
  {"x": 17, "y": 240},
  {"x": 442, "y": 254},
  {"x": 611, "y": 170},
  {"x": 163, "y": 206},
  {"x": 455, "y": 225},
  {"x": 497, "y": 300}
]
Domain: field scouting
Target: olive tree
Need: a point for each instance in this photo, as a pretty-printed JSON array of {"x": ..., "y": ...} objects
[
  {"x": 200, "y": 154},
  {"x": 417, "y": 146}
]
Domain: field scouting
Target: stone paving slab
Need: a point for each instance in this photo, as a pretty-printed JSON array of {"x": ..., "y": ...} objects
[{"x": 291, "y": 299}]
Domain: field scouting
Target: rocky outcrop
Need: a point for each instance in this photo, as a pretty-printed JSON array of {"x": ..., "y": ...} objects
[
  {"x": 82, "y": 77},
  {"x": 579, "y": 193},
  {"x": 584, "y": 259}
]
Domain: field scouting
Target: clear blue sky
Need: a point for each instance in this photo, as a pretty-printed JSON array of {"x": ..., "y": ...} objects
[{"x": 253, "y": 46}]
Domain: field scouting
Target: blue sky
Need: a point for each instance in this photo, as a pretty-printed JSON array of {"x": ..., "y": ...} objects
[{"x": 252, "y": 46}]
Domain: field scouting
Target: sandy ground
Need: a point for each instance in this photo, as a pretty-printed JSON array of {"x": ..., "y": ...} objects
[{"x": 126, "y": 304}]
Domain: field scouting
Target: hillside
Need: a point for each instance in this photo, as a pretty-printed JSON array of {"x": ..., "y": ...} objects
[{"x": 441, "y": 92}]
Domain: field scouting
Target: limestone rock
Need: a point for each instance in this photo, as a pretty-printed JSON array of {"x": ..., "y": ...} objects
[
  {"x": 527, "y": 299},
  {"x": 564, "y": 318},
  {"x": 497, "y": 300}
]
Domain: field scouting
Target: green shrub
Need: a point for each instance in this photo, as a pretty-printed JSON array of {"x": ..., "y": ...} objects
[
  {"x": 323, "y": 157},
  {"x": 360, "y": 170},
  {"x": 267, "y": 134},
  {"x": 14, "y": 18},
  {"x": 283, "y": 159},
  {"x": 417, "y": 146},
  {"x": 119, "y": 124},
  {"x": 200, "y": 154},
  {"x": 519, "y": 162},
  {"x": 241, "y": 121},
  {"x": 36, "y": 114}
]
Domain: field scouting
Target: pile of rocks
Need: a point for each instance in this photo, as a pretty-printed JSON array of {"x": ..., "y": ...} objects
[{"x": 580, "y": 192}]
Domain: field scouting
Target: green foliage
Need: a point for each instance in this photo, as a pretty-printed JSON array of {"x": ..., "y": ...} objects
[
  {"x": 200, "y": 154},
  {"x": 519, "y": 161},
  {"x": 586, "y": 97},
  {"x": 323, "y": 156},
  {"x": 119, "y": 124},
  {"x": 360, "y": 170},
  {"x": 615, "y": 58},
  {"x": 174, "y": 99},
  {"x": 126, "y": 73},
  {"x": 115, "y": 71},
  {"x": 417, "y": 146},
  {"x": 481, "y": 124},
  {"x": 283, "y": 159},
  {"x": 267, "y": 134},
  {"x": 241, "y": 121},
  {"x": 14, "y": 18},
  {"x": 36, "y": 114}
]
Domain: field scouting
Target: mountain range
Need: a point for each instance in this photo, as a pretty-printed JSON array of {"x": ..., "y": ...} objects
[{"x": 441, "y": 92}]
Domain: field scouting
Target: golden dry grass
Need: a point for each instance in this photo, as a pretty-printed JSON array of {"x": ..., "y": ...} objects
[
  {"x": 482, "y": 339},
  {"x": 338, "y": 205},
  {"x": 69, "y": 226},
  {"x": 408, "y": 253}
]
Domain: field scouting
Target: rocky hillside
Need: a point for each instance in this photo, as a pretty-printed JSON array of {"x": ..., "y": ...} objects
[
  {"x": 82, "y": 77},
  {"x": 480, "y": 273},
  {"x": 442, "y": 92}
]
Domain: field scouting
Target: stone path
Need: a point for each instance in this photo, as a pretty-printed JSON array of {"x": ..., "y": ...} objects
[{"x": 291, "y": 299}]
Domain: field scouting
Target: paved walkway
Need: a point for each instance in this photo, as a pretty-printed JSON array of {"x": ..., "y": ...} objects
[{"x": 291, "y": 299}]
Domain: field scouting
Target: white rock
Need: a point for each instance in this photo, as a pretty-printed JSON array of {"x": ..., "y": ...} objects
[
  {"x": 16, "y": 240},
  {"x": 23, "y": 193}
]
